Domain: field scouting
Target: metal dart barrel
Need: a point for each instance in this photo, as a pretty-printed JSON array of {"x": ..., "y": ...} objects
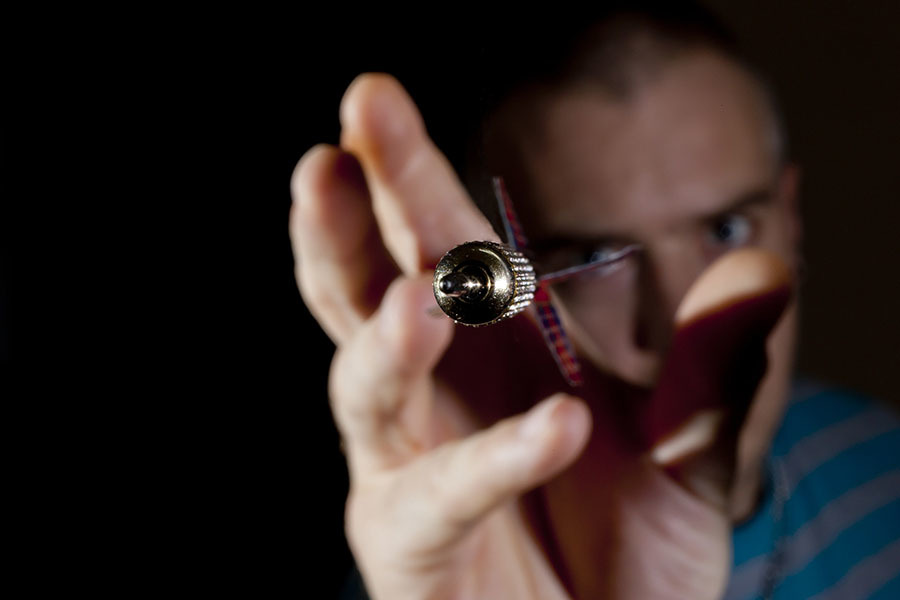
[{"x": 480, "y": 283}]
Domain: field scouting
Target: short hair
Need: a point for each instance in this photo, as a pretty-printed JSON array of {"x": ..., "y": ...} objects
[{"x": 613, "y": 45}]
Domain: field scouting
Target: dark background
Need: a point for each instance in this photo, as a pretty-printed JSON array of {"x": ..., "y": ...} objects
[{"x": 205, "y": 448}]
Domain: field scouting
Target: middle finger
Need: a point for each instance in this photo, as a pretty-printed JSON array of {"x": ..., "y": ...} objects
[{"x": 422, "y": 208}]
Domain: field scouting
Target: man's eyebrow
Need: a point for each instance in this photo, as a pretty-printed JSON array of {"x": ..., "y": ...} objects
[
  {"x": 557, "y": 241},
  {"x": 746, "y": 200}
]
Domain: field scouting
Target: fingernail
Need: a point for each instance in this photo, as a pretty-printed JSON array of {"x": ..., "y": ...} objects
[
  {"x": 698, "y": 433},
  {"x": 427, "y": 302}
]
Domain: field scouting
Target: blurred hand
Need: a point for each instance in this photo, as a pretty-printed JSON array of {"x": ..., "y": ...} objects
[{"x": 442, "y": 460}]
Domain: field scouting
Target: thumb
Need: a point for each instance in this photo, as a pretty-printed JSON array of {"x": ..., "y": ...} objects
[
  {"x": 716, "y": 362},
  {"x": 466, "y": 479}
]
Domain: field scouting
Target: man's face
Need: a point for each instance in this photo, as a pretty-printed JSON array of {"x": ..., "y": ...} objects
[{"x": 687, "y": 168}]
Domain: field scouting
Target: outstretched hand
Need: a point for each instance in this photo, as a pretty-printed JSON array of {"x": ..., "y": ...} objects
[{"x": 438, "y": 448}]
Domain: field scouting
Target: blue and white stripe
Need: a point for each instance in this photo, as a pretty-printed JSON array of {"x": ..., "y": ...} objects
[{"x": 839, "y": 457}]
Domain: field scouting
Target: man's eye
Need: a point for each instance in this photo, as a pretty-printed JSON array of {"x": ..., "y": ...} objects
[
  {"x": 731, "y": 230},
  {"x": 579, "y": 256},
  {"x": 602, "y": 253}
]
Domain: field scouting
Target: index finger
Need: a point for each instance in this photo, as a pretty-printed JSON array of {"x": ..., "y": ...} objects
[{"x": 421, "y": 207}]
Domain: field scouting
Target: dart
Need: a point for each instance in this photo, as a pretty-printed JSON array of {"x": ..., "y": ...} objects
[{"x": 482, "y": 283}]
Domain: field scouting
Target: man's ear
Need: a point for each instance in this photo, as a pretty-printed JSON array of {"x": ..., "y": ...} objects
[{"x": 788, "y": 199}]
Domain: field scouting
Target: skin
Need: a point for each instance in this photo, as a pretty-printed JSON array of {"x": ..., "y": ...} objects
[{"x": 436, "y": 470}]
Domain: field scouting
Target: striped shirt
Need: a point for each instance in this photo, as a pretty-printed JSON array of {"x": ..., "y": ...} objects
[{"x": 829, "y": 524}]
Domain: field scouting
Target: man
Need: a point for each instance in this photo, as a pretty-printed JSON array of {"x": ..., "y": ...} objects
[{"x": 660, "y": 477}]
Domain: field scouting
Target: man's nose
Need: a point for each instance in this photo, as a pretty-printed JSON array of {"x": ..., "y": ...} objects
[{"x": 665, "y": 275}]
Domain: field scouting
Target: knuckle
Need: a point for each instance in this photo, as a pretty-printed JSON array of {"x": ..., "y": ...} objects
[
  {"x": 356, "y": 390},
  {"x": 402, "y": 341},
  {"x": 353, "y": 518},
  {"x": 338, "y": 383},
  {"x": 324, "y": 309},
  {"x": 366, "y": 524},
  {"x": 375, "y": 500},
  {"x": 314, "y": 294}
]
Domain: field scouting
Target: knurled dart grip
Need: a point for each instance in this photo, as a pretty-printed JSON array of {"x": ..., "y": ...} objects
[{"x": 481, "y": 283}]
